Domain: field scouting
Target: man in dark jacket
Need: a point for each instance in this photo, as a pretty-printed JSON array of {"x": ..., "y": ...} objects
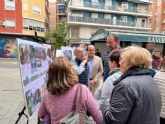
[
  {"x": 112, "y": 43},
  {"x": 80, "y": 66}
]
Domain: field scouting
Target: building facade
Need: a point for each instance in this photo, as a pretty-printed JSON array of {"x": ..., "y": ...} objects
[
  {"x": 24, "y": 16},
  {"x": 46, "y": 16},
  {"x": 52, "y": 15},
  {"x": 11, "y": 16},
  {"x": 162, "y": 17},
  {"x": 159, "y": 13},
  {"x": 61, "y": 11},
  {"x": 57, "y": 13},
  {"x": 33, "y": 12},
  {"x": 85, "y": 17}
]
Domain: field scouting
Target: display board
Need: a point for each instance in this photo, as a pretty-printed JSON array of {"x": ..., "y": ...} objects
[
  {"x": 68, "y": 52},
  {"x": 34, "y": 62}
]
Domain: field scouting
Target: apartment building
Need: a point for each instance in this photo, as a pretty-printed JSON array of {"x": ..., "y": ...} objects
[
  {"x": 52, "y": 15},
  {"x": 57, "y": 13},
  {"x": 33, "y": 12},
  {"x": 91, "y": 21},
  {"x": 159, "y": 16},
  {"x": 162, "y": 16},
  {"x": 61, "y": 10},
  {"x": 85, "y": 17},
  {"x": 11, "y": 16},
  {"x": 46, "y": 16}
]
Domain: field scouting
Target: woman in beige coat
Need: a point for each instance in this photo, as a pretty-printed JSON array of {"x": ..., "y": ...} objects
[{"x": 160, "y": 80}]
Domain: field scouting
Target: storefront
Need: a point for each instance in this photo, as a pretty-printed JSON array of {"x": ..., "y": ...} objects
[{"x": 129, "y": 38}]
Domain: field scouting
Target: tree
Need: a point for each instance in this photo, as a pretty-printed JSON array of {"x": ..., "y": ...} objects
[{"x": 59, "y": 36}]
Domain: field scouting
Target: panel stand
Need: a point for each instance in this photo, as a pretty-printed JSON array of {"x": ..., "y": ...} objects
[{"x": 20, "y": 115}]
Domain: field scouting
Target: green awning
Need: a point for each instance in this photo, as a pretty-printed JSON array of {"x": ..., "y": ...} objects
[
  {"x": 128, "y": 36},
  {"x": 99, "y": 34},
  {"x": 133, "y": 37}
]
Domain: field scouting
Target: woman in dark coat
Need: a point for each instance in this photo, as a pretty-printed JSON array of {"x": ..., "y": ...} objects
[{"x": 136, "y": 98}]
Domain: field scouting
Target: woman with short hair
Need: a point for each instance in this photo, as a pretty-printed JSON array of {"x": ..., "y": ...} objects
[
  {"x": 61, "y": 87},
  {"x": 105, "y": 91},
  {"x": 135, "y": 98}
]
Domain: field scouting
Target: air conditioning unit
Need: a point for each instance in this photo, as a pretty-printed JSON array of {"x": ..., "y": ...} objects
[{"x": 2, "y": 23}]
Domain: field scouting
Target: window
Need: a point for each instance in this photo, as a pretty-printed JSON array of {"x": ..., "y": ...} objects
[
  {"x": 74, "y": 32},
  {"x": 9, "y": 23},
  {"x": 123, "y": 19},
  {"x": 25, "y": 23},
  {"x": 87, "y": 14},
  {"x": 33, "y": 25},
  {"x": 36, "y": 9},
  {"x": 42, "y": 30},
  {"x": 125, "y": 5},
  {"x": 25, "y": 7},
  {"x": 101, "y": 15},
  {"x": 9, "y": 5},
  {"x": 143, "y": 23},
  {"x": 10, "y": 0}
]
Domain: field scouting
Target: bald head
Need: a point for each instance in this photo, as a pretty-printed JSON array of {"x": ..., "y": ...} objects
[{"x": 79, "y": 53}]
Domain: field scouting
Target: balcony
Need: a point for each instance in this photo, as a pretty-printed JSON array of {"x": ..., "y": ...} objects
[
  {"x": 89, "y": 20},
  {"x": 115, "y": 8},
  {"x": 141, "y": 1},
  {"x": 107, "y": 22}
]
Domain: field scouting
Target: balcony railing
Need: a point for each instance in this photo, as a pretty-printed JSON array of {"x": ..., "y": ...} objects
[
  {"x": 89, "y": 20},
  {"x": 114, "y": 7},
  {"x": 106, "y": 21}
]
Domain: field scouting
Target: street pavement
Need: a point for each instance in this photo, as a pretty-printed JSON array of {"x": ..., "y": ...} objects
[{"x": 11, "y": 94}]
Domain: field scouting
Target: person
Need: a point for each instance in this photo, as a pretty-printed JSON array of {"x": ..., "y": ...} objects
[
  {"x": 106, "y": 89},
  {"x": 80, "y": 65},
  {"x": 135, "y": 98},
  {"x": 95, "y": 69},
  {"x": 10, "y": 49},
  {"x": 61, "y": 87},
  {"x": 97, "y": 53},
  {"x": 150, "y": 47},
  {"x": 160, "y": 80},
  {"x": 156, "y": 56},
  {"x": 112, "y": 43}
]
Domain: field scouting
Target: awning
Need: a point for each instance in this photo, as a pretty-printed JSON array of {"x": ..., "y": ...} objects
[
  {"x": 128, "y": 36},
  {"x": 133, "y": 37},
  {"x": 99, "y": 34}
]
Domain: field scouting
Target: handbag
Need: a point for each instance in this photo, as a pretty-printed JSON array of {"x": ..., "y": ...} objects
[
  {"x": 42, "y": 121},
  {"x": 77, "y": 117}
]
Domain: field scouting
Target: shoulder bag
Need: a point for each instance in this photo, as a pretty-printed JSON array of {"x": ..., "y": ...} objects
[{"x": 77, "y": 117}]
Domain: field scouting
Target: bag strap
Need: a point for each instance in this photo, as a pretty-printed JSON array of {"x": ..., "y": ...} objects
[
  {"x": 82, "y": 105},
  {"x": 82, "y": 110},
  {"x": 75, "y": 97}
]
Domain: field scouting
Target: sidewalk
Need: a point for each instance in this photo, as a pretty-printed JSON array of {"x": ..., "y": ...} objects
[{"x": 11, "y": 93}]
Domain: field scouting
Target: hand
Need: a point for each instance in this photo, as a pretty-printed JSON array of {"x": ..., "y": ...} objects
[
  {"x": 85, "y": 57},
  {"x": 84, "y": 61},
  {"x": 91, "y": 82}
]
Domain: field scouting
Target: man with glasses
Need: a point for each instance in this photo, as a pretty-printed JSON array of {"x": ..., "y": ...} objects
[{"x": 112, "y": 42}]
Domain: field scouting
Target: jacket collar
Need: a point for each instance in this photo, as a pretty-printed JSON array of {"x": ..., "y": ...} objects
[
  {"x": 114, "y": 71},
  {"x": 133, "y": 71}
]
